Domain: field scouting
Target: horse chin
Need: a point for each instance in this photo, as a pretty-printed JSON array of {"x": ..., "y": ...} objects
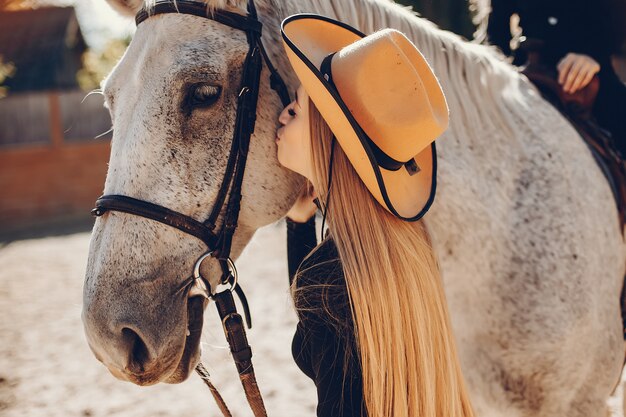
[{"x": 191, "y": 351}]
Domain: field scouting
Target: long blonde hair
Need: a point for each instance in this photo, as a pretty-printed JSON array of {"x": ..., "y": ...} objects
[{"x": 402, "y": 328}]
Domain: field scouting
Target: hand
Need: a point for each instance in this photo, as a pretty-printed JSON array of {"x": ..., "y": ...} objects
[
  {"x": 576, "y": 71},
  {"x": 304, "y": 207}
]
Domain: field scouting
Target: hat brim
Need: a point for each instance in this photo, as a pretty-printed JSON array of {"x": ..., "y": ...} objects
[{"x": 308, "y": 39}]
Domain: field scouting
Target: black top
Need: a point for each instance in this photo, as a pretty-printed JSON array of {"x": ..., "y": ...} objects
[
  {"x": 323, "y": 343},
  {"x": 581, "y": 26}
]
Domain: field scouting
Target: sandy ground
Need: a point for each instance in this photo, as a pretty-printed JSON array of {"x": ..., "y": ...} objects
[{"x": 46, "y": 368}]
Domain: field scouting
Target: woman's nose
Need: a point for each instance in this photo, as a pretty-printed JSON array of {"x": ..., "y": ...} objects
[
  {"x": 281, "y": 117},
  {"x": 284, "y": 117}
]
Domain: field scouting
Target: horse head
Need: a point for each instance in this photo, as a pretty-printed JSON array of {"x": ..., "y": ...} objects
[{"x": 173, "y": 99}]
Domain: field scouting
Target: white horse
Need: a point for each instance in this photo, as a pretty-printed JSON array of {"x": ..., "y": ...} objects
[{"x": 524, "y": 223}]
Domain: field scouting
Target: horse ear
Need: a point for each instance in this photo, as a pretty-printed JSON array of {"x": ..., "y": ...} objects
[{"x": 126, "y": 7}]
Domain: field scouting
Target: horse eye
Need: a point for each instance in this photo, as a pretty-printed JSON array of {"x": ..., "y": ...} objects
[{"x": 203, "y": 95}]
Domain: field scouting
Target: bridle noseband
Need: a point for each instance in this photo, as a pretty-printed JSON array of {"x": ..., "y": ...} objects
[{"x": 219, "y": 244}]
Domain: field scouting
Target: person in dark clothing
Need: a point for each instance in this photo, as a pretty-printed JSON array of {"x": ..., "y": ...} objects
[
  {"x": 317, "y": 348},
  {"x": 579, "y": 38},
  {"x": 373, "y": 320}
]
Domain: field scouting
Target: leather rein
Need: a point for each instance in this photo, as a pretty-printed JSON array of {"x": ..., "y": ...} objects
[{"x": 219, "y": 244}]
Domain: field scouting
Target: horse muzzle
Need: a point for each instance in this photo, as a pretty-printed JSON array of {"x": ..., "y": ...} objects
[{"x": 146, "y": 355}]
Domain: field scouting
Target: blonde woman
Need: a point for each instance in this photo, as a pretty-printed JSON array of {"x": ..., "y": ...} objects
[{"x": 374, "y": 332}]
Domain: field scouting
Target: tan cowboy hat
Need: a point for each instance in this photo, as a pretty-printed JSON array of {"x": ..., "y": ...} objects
[{"x": 382, "y": 101}]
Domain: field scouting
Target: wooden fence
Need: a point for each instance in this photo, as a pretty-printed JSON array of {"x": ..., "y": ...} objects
[{"x": 52, "y": 167}]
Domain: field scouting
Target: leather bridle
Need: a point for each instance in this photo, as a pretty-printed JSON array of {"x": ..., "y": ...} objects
[{"x": 219, "y": 244}]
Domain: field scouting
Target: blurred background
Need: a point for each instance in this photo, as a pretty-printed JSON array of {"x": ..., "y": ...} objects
[
  {"x": 54, "y": 147},
  {"x": 54, "y": 135}
]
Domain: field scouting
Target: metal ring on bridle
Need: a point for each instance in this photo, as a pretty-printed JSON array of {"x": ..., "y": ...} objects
[{"x": 203, "y": 283}]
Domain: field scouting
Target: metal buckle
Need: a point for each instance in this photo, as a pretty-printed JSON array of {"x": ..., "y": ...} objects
[
  {"x": 202, "y": 285},
  {"x": 228, "y": 317}
]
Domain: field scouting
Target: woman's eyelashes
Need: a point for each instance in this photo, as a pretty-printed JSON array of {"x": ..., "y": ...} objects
[{"x": 291, "y": 112}]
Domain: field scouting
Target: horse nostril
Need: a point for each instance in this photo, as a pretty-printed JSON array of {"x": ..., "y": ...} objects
[{"x": 138, "y": 353}]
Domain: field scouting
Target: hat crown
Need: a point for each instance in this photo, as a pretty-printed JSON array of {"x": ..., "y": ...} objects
[
  {"x": 392, "y": 93},
  {"x": 380, "y": 99}
]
